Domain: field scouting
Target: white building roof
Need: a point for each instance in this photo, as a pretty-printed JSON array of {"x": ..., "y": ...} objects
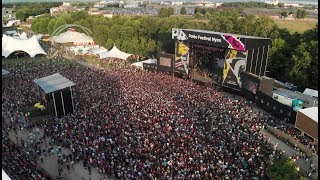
[
  {"x": 310, "y": 92},
  {"x": 30, "y": 46},
  {"x": 311, "y": 113},
  {"x": 114, "y": 53},
  {"x": 53, "y": 83}
]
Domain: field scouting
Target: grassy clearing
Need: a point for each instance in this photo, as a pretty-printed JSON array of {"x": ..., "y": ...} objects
[{"x": 296, "y": 25}]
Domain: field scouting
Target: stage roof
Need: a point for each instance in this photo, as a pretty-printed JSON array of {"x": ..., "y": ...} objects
[
  {"x": 219, "y": 39},
  {"x": 228, "y": 34},
  {"x": 53, "y": 83}
]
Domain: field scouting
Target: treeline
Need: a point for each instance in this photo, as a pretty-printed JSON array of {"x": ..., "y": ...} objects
[
  {"x": 293, "y": 57},
  {"x": 248, "y": 5},
  {"x": 24, "y": 10}
]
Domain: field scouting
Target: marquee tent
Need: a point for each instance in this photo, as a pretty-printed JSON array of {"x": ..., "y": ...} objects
[
  {"x": 11, "y": 23},
  {"x": 22, "y": 36},
  {"x": 98, "y": 51},
  {"x": 114, "y": 53},
  {"x": 148, "y": 61},
  {"x": 5, "y": 175},
  {"x": 30, "y": 46},
  {"x": 73, "y": 37}
]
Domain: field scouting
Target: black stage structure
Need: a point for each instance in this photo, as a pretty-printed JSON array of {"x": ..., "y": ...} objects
[
  {"x": 241, "y": 54},
  {"x": 238, "y": 62},
  {"x": 56, "y": 94}
]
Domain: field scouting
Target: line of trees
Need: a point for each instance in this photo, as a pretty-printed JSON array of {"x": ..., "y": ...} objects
[
  {"x": 292, "y": 58},
  {"x": 24, "y": 10}
]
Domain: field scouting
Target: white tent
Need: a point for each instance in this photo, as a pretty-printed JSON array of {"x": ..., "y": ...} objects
[
  {"x": 73, "y": 37},
  {"x": 30, "y": 46},
  {"x": 114, "y": 53},
  {"x": 11, "y": 23},
  {"x": 22, "y": 36},
  {"x": 39, "y": 36},
  {"x": 148, "y": 61},
  {"x": 98, "y": 51},
  {"x": 5, "y": 175}
]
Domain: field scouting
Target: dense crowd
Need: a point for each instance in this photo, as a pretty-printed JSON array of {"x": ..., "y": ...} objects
[
  {"x": 134, "y": 124},
  {"x": 17, "y": 163}
]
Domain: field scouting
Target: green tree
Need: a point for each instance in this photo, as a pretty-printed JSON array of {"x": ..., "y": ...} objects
[
  {"x": 284, "y": 14},
  {"x": 280, "y": 5},
  {"x": 302, "y": 60},
  {"x": 301, "y": 14},
  {"x": 183, "y": 11},
  {"x": 165, "y": 12},
  {"x": 21, "y": 15},
  {"x": 283, "y": 169}
]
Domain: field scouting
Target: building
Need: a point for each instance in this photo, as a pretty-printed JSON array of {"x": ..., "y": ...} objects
[
  {"x": 65, "y": 7},
  {"x": 307, "y": 122},
  {"x": 178, "y": 3},
  {"x": 8, "y": 13},
  {"x": 291, "y": 5},
  {"x": 272, "y": 2}
]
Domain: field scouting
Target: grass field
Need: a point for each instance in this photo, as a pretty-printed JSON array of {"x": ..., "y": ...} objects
[{"x": 296, "y": 25}]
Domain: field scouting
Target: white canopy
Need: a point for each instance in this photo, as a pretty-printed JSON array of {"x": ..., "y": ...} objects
[
  {"x": 30, "y": 46},
  {"x": 11, "y": 23},
  {"x": 53, "y": 83},
  {"x": 5, "y": 175},
  {"x": 98, "y": 51},
  {"x": 114, "y": 53},
  {"x": 73, "y": 37},
  {"x": 148, "y": 61},
  {"x": 312, "y": 113},
  {"x": 22, "y": 36}
]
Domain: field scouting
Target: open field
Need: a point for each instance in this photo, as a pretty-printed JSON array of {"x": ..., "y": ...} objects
[{"x": 296, "y": 25}]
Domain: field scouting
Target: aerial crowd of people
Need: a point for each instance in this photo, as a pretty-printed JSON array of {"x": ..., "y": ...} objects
[{"x": 135, "y": 124}]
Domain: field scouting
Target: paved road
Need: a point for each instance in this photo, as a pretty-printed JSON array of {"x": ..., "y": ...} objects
[
  {"x": 50, "y": 163},
  {"x": 289, "y": 151}
]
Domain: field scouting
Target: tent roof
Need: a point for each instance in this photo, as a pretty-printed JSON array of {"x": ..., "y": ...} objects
[
  {"x": 115, "y": 53},
  {"x": 72, "y": 36},
  {"x": 11, "y": 22},
  {"x": 22, "y": 36},
  {"x": 53, "y": 83},
  {"x": 148, "y": 61},
  {"x": 4, "y": 72},
  {"x": 5, "y": 175},
  {"x": 310, "y": 92},
  {"x": 311, "y": 113},
  {"x": 30, "y": 46},
  {"x": 98, "y": 50}
]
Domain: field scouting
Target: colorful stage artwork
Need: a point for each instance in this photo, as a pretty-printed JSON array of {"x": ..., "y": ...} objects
[
  {"x": 181, "y": 57},
  {"x": 235, "y": 63}
]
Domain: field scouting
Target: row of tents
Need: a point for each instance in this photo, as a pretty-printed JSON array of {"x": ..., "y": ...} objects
[{"x": 13, "y": 41}]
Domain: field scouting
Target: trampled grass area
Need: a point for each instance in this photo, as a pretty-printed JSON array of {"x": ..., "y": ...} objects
[{"x": 296, "y": 25}]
